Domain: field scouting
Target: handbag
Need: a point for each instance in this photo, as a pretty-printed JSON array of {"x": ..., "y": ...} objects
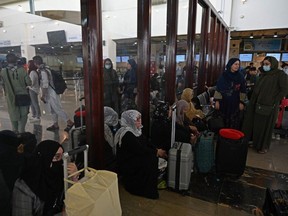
[
  {"x": 20, "y": 99},
  {"x": 96, "y": 194},
  {"x": 265, "y": 110},
  {"x": 216, "y": 122}
]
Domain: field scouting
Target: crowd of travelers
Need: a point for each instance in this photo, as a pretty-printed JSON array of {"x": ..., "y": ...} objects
[{"x": 31, "y": 173}]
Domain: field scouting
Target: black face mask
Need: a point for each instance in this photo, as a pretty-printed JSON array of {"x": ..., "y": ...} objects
[{"x": 56, "y": 169}]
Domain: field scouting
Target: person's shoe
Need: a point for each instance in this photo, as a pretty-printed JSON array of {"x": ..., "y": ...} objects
[
  {"x": 35, "y": 120},
  {"x": 52, "y": 128},
  {"x": 273, "y": 136},
  {"x": 69, "y": 127},
  {"x": 264, "y": 151},
  {"x": 277, "y": 137}
]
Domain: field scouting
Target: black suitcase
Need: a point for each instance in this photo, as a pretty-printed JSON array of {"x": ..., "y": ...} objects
[{"x": 231, "y": 153}]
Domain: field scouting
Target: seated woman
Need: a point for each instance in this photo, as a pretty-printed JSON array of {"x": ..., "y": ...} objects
[
  {"x": 111, "y": 122},
  {"x": 161, "y": 127},
  {"x": 183, "y": 132},
  {"x": 39, "y": 190},
  {"x": 193, "y": 116},
  {"x": 137, "y": 158}
]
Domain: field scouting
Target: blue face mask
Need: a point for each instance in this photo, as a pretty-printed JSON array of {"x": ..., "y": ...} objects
[{"x": 266, "y": 68}]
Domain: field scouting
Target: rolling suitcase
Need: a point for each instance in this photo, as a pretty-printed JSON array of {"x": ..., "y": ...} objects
[
  {"x": 180, "y": 161},
  {"x": 231, "y": 152},
  {"x": 78, "y": 134},
  {"x": 204, "y": 152}
]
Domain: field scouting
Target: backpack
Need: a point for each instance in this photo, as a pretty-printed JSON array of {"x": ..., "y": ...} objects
[{"x": 59, "y": 83}]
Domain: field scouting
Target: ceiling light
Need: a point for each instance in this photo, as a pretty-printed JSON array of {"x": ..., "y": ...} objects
[
  {"x": 251, "y": 36},
  {"x": 4, "y": 30},
  {"x": 275, "y": 35},
  {"x": 20, "y": 8}
]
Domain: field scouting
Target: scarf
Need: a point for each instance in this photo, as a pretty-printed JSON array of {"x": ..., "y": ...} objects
[
  {"x": 44, "y": 180},
  {"x": 187, "y": 95},
  {"x": 128, "y": 120},
  {"x": 110, "y": 120},
  {"x": 181, "y": 106},
  {"x": 229, "y": 79}
]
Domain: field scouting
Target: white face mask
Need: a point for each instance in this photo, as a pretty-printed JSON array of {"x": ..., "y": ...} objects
[{"x": 285, "y": 70}]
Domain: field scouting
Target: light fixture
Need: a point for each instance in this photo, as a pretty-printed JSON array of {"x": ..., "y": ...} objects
[
  {"x": 4, "y": 30},
  {"x": 243, "y": 1},
  {"x": 275, "y": 35},
  {"x": 251, "y": 36},
  {"x": 20, "y": 8}
]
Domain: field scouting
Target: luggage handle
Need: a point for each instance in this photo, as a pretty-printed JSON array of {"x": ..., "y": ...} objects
[{"x": 65, "y": 157}]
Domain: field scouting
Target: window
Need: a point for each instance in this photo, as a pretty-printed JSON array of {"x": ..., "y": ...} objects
[
  {"x": 180, "y": 58},
  {"x": 276, "y": 55},
  {"x": 284, "y": 57},
  {"x": 124, "y": 58},
  {"x": 245, "y": 57}
]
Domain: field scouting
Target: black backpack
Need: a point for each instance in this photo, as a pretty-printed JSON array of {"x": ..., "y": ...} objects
[{"x": 59, "y": 83}]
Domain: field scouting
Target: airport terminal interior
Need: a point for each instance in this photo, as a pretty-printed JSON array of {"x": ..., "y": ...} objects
[{"x": 208, "y": 194}]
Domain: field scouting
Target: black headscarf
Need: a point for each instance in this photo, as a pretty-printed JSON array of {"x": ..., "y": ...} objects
[
  {"x": 108, "y": 60},
  {"x": 224, "y": 83},
  {"x": 10, "y": 160},
  {"x": 161, "y": 112},
  {"x": 44, "y": 177}
]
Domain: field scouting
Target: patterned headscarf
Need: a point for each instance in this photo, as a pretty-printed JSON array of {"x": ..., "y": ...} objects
[
  {"x": 128, "y": 120},
  {"x": 180, "y": 107},
  {"x": 110, "y": 119}
]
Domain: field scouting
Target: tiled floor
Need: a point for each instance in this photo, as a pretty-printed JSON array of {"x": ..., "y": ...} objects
[{"x": 208, "y": 195}]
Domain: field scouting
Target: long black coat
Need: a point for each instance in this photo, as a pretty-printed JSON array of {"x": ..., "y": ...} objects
[{"x": 138, "y": 165}]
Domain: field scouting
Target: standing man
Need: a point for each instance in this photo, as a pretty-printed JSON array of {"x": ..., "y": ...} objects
[
  {"x": 49, "y": 96},
  {"x": 16, "y": 81}
]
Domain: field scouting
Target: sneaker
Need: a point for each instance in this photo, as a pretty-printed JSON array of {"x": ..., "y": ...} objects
[
  {"x": 52, "y": 128},
  {"x": 273, "y": 136},
  {"x": 277, "y": 137},
  {"x": 35, "y": 120}
]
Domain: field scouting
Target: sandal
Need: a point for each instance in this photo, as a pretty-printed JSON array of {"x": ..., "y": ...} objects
[
  {"x": 52, "y": 128},
  {"x": 69, "y": 127}
]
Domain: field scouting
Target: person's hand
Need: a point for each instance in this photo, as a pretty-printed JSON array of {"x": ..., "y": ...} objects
[
  {"x": 193, "y": 139},
  {"x": 194, "y": 130},
  {"x": 42, "y": 99},
  {"x": 217, "y": 105},
  {"x": 161, "y": 153},
  {"x": 241, "y": 106},
  {"x": 72, "y": 168}
]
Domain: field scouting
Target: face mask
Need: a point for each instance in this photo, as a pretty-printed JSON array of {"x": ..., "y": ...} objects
[
  {"x": 285, "y": 70},
  {"x": 266, "y": 68},
  {"x": 107, "y": 66}
]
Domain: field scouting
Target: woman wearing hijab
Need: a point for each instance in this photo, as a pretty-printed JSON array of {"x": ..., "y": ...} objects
[
  {"x": 111, "y": 86},
  {"x": 39, "y": 190},
  {"x": 10, "y": 166},
  {"x": 183, "y": 132},
  {"x": 230, "y": 94},
  {"x": 129, "y": 86},
  {"x": 262, "y": 110},
  {"x": 110, "y": 126},
  {"x": 161, "y": 127},
  {"x": 136, "y": 157}
]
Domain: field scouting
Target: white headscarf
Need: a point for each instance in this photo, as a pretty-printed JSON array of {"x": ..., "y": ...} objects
[
  {"x": 110, "y": 119},
  {"x": 128, "y": 120}
]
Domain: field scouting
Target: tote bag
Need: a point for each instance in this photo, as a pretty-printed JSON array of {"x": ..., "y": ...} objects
[{"x": 95, "y": 195}]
